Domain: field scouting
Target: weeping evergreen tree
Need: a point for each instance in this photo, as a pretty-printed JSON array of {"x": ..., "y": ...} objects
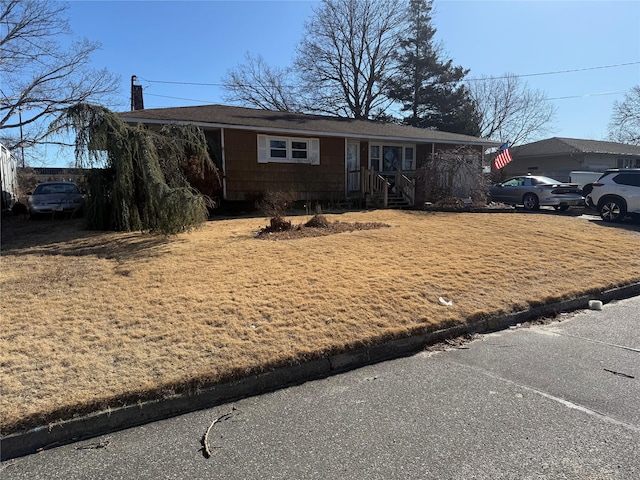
[
  {"x": 143, "y": 187},
  {"x": 427, "y": 86}
]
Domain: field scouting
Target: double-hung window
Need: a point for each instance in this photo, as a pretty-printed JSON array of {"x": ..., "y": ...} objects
[{"x": 288, "y": 150}]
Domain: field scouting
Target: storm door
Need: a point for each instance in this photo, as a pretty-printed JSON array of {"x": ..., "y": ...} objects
[{"x": 353, "y": 167}]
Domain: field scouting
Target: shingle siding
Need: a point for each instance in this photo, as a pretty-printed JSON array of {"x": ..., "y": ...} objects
[{"x": 246, "y": 178}]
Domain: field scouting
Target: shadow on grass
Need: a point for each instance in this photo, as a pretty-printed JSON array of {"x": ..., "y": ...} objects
[
  {"x": 571, "y": 212},
  {"x": 630, "y": 224},
  {"x": 69, "y": 238}
]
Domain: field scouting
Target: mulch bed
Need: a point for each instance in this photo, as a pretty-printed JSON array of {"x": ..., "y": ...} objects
[
  {"x": 318, "y": 226},
  {"x": 452, "y": 204}
]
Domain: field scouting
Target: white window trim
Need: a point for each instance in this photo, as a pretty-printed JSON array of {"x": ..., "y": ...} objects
[{"x": 264, "y": 150}]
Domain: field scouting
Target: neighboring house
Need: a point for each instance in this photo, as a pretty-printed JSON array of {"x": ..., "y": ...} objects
[
  {"x": 8, "y": 177},
  {"x": 56, "y": 174},
  {"x": 558, "y": 157},
  {"x": 318, "y": 157},
  {"x": 30, "y": 177}
]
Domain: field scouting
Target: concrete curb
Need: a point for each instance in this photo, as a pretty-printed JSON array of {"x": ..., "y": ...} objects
[{"x": 31, "y": 441}]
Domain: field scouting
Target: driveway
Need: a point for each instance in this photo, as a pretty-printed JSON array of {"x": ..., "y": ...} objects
[{"x": 555, "y": 400}]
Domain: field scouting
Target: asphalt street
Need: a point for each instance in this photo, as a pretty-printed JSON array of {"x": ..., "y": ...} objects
[{"x": 559, "y": 400}]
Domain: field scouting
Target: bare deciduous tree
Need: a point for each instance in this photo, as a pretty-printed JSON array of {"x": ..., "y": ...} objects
[
  {"x": 41, "y": 76},
  {"x": 453, "y": 173},
  {"x": 256, "y": 84},
  {"x": 510, "y": 110},
  {"x": 625, "y": 121},
  {"x": 345, "y": 54}
]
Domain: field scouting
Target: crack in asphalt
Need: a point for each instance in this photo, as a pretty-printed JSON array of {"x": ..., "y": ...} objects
[
  {"x": 620, "y": 374},
  {"x": 567, "y": 403},
  {"x": 592, "y": 340}
]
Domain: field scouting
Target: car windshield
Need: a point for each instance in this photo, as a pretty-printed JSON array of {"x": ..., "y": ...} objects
[
  {"x": 514, "y": 182},
  {"x": 49, "y": 188},
  {"x": 544, "y": 181}
]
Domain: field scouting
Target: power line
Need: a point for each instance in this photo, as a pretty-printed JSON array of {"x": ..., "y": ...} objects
[
  {"x": 179, "y": 98},
  {"x": 587, "y": 95},
  {"x": 556, "y": 72},
  {"x": 183, "y": 83}
]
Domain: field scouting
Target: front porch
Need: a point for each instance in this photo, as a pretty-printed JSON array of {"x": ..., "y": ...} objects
[{"x": 382, "y": 189}]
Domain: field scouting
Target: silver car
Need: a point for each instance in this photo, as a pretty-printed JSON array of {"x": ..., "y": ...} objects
[
  {"x": 53, "y": 197},
  {"x": 532, "y": 192}
]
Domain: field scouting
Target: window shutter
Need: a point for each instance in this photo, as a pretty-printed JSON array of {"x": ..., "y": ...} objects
[
  {"x": 314, "y": 151},
  {"x": 263, "y": 149}
]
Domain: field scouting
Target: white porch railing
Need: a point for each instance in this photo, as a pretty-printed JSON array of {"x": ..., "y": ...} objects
[
  {"x": 407, "y": 187},
  {"x": 377, "y": 186}
]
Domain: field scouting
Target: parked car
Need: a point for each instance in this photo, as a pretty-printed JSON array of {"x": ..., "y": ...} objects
[
  {"x": 535, "y": 191},
  {"x": 616, "y": 194},
  {"x": 53, "y": 197},
  {"x": 585, "y": 181},
  {"x": 583, "y": 178}
]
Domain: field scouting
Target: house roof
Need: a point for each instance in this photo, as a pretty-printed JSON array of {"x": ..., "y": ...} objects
[
  {"x": 221, "y": 116},
  {"x": 566, "y": 146}
]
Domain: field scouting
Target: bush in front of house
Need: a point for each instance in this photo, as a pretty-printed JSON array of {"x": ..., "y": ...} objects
[
  {"x": 318, "y": 221},
  {"x": 274, "y": 204}
]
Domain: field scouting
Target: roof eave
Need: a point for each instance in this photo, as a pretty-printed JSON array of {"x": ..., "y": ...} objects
[{"x": 482, "y": 142}]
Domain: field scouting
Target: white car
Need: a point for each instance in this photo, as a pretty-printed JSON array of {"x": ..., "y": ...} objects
[{"x": 616, "y": 194}]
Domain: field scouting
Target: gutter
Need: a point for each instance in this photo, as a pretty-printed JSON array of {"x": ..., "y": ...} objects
[{"x": 481, "y": 142}]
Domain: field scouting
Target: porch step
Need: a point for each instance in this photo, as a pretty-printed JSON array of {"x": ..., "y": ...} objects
[
  {"x": 397, "y": 201},
  {"x": 393, "y": 201}
]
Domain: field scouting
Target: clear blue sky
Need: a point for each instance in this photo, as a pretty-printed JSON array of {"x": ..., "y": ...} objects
[{"x": 199, "y": 41}]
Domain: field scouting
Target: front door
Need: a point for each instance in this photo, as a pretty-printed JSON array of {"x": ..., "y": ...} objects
[{"x": 353, "y": 167}]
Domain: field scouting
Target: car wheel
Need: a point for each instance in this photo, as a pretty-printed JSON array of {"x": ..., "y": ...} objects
[
  {"x": 561, "y": 208},
  {"x": 612, "y": 209},
  {"x": 530, "y": 202}
]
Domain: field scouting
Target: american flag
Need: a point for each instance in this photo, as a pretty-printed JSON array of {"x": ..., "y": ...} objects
[{"x": 503, "y": 157}]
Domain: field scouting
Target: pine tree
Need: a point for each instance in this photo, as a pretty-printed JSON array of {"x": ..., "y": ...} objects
[{"x": 427, "y": 86}]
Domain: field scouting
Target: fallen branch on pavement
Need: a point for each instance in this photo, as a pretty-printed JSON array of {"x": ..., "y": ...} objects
[{"x": 205, "y": 439}]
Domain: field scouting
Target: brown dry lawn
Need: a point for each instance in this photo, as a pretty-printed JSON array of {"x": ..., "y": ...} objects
[{"x": 94, "y": 320}]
